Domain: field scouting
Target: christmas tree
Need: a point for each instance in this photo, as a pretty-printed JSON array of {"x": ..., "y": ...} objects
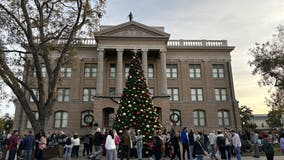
[{"x": 136, "y": 109}]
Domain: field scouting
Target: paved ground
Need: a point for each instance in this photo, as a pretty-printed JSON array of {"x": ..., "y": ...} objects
[{"x": 205, "y": 158}]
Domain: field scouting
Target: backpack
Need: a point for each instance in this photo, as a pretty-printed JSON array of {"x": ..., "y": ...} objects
[
  {"x": 221, "y": 141},
  {"x": 68, "y": 141}
]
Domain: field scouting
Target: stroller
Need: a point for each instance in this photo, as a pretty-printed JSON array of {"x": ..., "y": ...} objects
[{"x": 96, "y": 155}]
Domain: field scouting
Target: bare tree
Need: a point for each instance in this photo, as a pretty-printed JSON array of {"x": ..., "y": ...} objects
[{"x": 30, "y": 32}]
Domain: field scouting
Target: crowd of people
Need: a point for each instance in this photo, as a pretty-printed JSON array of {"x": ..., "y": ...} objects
[{"x": 185, "y": 144}]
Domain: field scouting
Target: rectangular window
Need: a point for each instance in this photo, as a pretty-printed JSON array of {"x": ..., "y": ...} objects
[
  {"x": 220, "y": 94},
  {"x": 111, "y": 92},
  {"x": 63, "y": 95},
  {"x": 218, "y": 70},
  {"x": 126, "y": 70},
  {"x": 196, "y": 94},
  {"x": 66, "y": 72},
  {"x": 112, "y": 71},
  {"x": 195, "y": 71},
  {"x": 61, "y": 119},
  {"x": 171, "y": 71},
  {"x": 150, "y": 71},
  {"x": 90, "y": 70},
  {"x": 88, "y": 94},
  {"x": 173, "y": 93},
  {"x": 199, "y": 118}
]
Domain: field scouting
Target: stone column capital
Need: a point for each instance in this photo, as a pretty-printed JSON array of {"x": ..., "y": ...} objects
[
  {"x": 144, "y": 50},
  {"x": 163, "y": 50},
  {"x": 119, "y": 50},
  {"x": 100, "y": 49}
]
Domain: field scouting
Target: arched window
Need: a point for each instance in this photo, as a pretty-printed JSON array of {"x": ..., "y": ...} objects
[
  {"x": 86, "y": 115},
  {"x": 199, "y": 118},
  {"x": 175, "y": 117},
  {"x": 223, "y": 118},
  {"x": 60, "y": 119}
]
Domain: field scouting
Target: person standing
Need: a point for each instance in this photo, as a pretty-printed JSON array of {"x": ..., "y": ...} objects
[
  {"x": 268, "y": 148},
  {"x": 236, "y": 141},
  {"x": 185, "y": 142},
  {"x": 12, "y": 145},
  {"x": 98, "y": 141},
  {"x": 86, "y": 142},
  {"x": 221, "y": 144},
  {"x": 174, "y": 141},
  {"x": 125, "y": 143},
  {"x": 212, "y": 140},
  {"x": 281, "y": 142},
  {"x": 254, "y": 140},
  {"x": 199, "y": 148},
  {"x": 61, "y": 143},
  {"x": 28, "y": 145},
  {"x": 42, "y": 146},
  {"x": 116, "y": 139},
  {"x": 76, "y": 145},
  {"x": 68, "y": 148},
  {"x": 139, "y": 143},
  {"x": 191, "y": 140},
  {"x": 111, "y": 153}
]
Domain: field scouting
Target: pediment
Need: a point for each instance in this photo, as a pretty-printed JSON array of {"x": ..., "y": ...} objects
[{"x": 131, "y": 29}]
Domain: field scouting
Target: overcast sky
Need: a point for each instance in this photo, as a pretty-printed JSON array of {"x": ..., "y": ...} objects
[{"x": 241, "y": 22}]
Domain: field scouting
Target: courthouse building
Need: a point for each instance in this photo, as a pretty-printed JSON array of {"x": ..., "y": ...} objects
[{"x": 190, "y": 80}]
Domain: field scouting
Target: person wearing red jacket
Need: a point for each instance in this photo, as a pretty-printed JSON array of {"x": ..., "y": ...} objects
[{"x": 12, "y": 145}]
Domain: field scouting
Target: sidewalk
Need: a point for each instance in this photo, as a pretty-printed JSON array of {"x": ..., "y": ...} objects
[{"x": 205, "y": 158}]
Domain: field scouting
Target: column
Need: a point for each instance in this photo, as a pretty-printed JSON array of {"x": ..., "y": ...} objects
[
  {"x": 119, "y": 73},
  {"x": 163, "y": 76},
  {"x": 145, "y": 63},
  {"x": 100, "y": 72}
]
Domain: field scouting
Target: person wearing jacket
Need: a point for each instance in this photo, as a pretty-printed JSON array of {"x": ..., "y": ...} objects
[
  {"x": 185, "y": 142},
  {"x": 28, "y": 145},
  {"x": 12, "y": 145},
  {"x": 198, "y": 149},
  {"x": 268, "y": 148},
  {"x": 281, "y": 142},
  {"x": 174, "y": 141},
  {"x": 111, "y": 153}
]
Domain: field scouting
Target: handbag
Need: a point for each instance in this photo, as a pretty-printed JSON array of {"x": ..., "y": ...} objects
[{"x": 204, "y": 151}]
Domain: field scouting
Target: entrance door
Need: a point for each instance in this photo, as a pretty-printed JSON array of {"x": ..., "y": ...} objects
[{"x": 108, "y": 117}]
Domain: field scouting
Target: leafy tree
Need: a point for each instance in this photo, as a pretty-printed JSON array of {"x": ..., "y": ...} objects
[
  {"x": 136, "y": 109},
  {"x": 276, "y": 103},
  {"x": 274, "y": 118},
  {"x": 269, "y": 60},
  {"x": 30, "y": 33},
  {"x": 246, "y": 115}
]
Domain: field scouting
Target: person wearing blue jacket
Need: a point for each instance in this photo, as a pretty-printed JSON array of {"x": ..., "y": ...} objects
[
  {"x": 28, "y": 145},
  {"x": 184, "y": 142}
]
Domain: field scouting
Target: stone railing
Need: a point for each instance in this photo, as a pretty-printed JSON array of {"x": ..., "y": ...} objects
[
  {"x": 197, "y": 43},
  {"x": 171, "y": 43}
]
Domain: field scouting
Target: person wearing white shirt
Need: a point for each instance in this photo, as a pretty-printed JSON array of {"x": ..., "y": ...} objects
[
  {"x": 237, "y": 144},
  {"x": 76, "y": 144},
  {"x": 111, "y": 153}
]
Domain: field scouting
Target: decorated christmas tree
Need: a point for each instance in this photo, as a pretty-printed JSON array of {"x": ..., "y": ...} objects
[{"x": 136, "y": 109}]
